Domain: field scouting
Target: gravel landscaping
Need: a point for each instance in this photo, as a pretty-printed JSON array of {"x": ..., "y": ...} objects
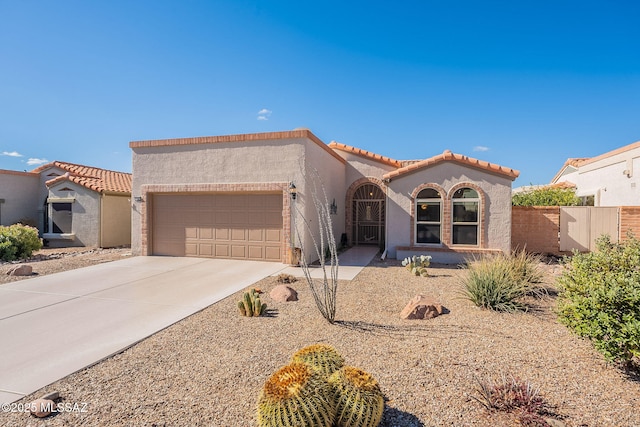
[{"x": 207, "y": 369}]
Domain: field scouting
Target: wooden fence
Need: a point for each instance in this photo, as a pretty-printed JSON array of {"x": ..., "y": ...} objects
[{"x": 557, "y": 230}]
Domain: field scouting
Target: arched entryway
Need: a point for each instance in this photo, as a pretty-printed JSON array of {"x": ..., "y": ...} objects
[{"x": 368, "y": 215}]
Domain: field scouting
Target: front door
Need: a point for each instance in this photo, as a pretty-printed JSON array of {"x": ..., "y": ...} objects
[{"x": 368, "y": 215}]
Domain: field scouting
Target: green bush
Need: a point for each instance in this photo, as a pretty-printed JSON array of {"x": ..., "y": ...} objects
[
  {"x": 501, "y": 282},
  {"x": 18, "y": 242},
  {"x": 600, "y": 298},
  {"x": 546, "y": 196}
]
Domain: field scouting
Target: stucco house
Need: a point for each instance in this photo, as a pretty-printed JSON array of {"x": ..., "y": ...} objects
[
  {"x": 243, "y": 196},
  {"x": 72, "y": 205},
  {"x": 604, "y": 180}
]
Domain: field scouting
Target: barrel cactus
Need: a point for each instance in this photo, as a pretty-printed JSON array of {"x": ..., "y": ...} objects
[
  {"x": 359, "y": 400},
  {"x": 321, "y": 357},
  {"x": 250, "y": 304},
  {"x": 296, "y": 395}
]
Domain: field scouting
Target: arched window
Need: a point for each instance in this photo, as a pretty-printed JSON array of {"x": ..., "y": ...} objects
[
  {"x": 428, "y": 216},
  {"x": 466, "y": 214}
]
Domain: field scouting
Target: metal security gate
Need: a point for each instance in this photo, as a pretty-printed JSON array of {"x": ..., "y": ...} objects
[
  {"x": 368, "y": 215},
  {"x": 580, "y": 226}
]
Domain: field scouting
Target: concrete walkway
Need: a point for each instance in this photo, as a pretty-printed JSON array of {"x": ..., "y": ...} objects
[
  {"x": 350, "y": 264},
  {"x": 55, "y": 325}
]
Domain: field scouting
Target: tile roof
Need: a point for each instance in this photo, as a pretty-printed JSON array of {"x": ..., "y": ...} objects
[
  {"x": 364, "y": 153},
  {"x": 574, "y": 162},
  {"x": 96, "y": 179},
  {"x": 448, "y": 156}
]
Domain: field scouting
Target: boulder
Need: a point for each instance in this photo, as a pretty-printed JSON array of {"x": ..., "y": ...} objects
[
  {"x": 283, "y": 293},
  {"x": 41, "y": 407},
  {"x": 421, "y": 307},
  {"x": 20, "y": 270}
]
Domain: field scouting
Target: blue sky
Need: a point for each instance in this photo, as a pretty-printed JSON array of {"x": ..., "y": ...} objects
[{"x": 525, "y": 84}]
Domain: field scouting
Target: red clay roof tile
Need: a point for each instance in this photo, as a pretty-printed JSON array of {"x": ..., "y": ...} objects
[
  {"x": 448, "y": 156},
  {"x": 96, "y": 179},
  {"x": 364, "y": 153}
]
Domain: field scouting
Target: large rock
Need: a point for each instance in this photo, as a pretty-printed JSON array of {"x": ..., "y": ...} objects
[
  {"x": 421, "y": 307},
  {"x": 42, "y": 407},
  {"x": 283, "y": 293},
  {"x": 20, "y": 270}
]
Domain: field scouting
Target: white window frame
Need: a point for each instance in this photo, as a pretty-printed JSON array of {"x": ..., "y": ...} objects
[{"x": 50, "y": 235}]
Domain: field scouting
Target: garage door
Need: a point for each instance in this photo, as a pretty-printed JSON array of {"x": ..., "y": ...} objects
[{"x": 238, "y": 226}]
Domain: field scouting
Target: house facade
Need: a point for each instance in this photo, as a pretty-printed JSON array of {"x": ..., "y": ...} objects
[
  {"x": 605, "y": 180},
  {"x": 71, "y": 205},
  {"x": 251, "y": 197}
]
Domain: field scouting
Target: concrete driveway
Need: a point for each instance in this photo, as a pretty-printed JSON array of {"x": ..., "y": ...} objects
[{"x": 55, "y": 325}]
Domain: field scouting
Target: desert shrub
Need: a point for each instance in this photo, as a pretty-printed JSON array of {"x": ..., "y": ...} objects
[
  {"x": 286, "y": 278},
  {"x": 546, "y": 196},
  {"x": 510, "y": 394},
  {"x": 501, "y": 282},
  {"x": 18, "y": 242},
  {"x": 600, "y": 298}
]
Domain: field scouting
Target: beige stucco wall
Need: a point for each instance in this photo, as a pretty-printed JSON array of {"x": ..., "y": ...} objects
[
  {"x": 331, "y": 172},
  {"x": 360, "y": 167},
  {"x": 20, "y": 193},
  {"x": 85, "y": 210},
  {"x": 260, "y": 161},
  {"x": 115, "y": 221},
  {"x": 496, "y": 211}
]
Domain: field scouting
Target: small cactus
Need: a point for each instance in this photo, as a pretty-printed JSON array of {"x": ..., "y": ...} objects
[
  {"x": 417, "y": 265},
  {"x": 296, "y": 395},
  {"x": 360, "y": 402},
  {"x": 321, "y": 357},
  {"x": 250, "y": 305}
]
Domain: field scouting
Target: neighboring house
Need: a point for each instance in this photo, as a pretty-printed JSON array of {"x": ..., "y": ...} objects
[
  {"x": 72, "y": 205},
  {"x": 605, "y": 180},
  {"x": 244, "y": 196}
]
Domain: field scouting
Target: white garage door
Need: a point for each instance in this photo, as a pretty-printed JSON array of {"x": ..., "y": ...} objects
[{"x": 238, "y": 226}]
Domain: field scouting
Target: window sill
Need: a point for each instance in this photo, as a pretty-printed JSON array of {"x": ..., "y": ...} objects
[{"x": 55, "y": 236}]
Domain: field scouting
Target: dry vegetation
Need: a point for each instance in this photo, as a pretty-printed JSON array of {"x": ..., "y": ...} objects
[{"x": 208, "y": 369}]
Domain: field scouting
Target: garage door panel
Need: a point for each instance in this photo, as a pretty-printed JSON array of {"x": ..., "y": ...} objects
[
  {"x": 222, "y": 251},
  {"x": 242, "y": 226},
  {"x": 272, "y": 219},
  {"x": 273, "y": 235},
  {"x": 239, "y": 218},
  {"x": 205, "y": 249},
  {"x": 256, "y": 252},
  {"x": 238, "y": 234},
  {"x": 223, "y": 217},
  {"x": 191, "y": 232},
  {"x": 222, "y": 234},
  {"x": 256, "y": 218},
  {"x": 238, "y": 251},
  {"x": 206, "y": 233},
  {"x": 272, "y": 253}
]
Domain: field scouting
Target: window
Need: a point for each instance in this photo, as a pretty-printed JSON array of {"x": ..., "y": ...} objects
[
  {"x": 466, "y": 211},
  {"x": 428, "y": 216},
  {"x": 61, "y": 218}
]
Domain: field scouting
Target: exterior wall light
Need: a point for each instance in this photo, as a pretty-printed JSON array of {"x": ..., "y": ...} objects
[
  {"x": 292, "y": 190},
  {"x": 138, "y": 199}
]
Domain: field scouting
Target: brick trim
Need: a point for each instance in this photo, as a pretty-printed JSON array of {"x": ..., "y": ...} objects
[
  {"x": 482, "y": 243},
  {"x": 148, "y": 190}
]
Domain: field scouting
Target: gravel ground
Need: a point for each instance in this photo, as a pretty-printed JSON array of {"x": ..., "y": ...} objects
[{"x": 207, "y": 370}]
